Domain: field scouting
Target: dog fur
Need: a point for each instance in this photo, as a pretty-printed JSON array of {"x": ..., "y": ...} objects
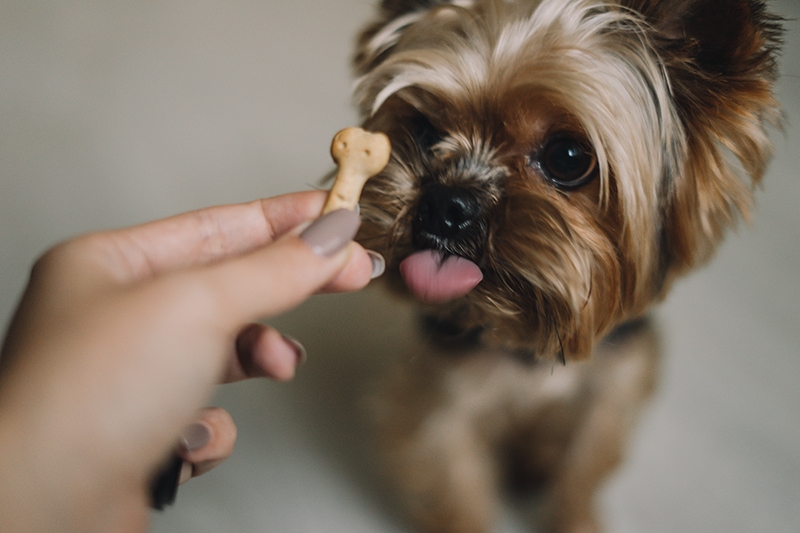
[{"x": 667, "y": 104}]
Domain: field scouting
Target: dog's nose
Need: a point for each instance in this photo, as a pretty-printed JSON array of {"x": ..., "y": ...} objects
[{"x": 446, "y": 213}]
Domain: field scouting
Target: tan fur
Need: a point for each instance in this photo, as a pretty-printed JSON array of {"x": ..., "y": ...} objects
[
  {"x": 675, "y": 115},
  {"x": 443, "y": 417}
]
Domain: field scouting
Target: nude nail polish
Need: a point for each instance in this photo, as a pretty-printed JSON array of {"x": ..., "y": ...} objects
[
  {"x": 378, "y": 263},
  {"x": 299, "y": 349},
  {"x": 332, "y": 232},
  {"x": 195, "y": 437}
]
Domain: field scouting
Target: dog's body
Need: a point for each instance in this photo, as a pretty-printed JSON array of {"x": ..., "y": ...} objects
[
  {"x": 459, "y": 425},
  {"x": 556, "y": 165}
]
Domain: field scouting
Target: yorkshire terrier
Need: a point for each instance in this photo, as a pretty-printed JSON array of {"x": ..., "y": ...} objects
[{"x": 556, "y": 165}]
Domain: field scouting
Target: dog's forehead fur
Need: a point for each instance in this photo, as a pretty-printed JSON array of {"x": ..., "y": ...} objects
[{"x": 590, "y": 59}]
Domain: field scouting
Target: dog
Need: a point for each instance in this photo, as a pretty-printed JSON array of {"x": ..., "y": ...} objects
[{"x": 556, "y": 165}]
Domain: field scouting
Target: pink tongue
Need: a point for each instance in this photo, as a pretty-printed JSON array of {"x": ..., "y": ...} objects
[{"x": 432, "y": 280}]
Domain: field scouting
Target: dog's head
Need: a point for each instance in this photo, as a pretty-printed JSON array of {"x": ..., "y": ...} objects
[{"x": 576, "y": 155}]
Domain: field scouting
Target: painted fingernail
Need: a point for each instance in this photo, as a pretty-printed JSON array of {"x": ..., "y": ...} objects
[
  {"x": 332, "y": 232},
  {"x": 195, "y": 437},
  {"x": 378, "y": 263},
  {"x": 299, "y": 349}
]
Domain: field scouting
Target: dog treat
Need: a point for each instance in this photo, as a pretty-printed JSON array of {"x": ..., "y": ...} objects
[{"x": 359, "y": 155}]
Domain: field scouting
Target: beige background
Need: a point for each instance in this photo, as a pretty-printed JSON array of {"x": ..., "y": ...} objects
[{"x": 113, "y": 113}]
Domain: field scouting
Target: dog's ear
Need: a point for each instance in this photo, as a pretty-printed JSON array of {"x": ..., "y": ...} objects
[
  {"x": 720, "y": 56},
  {"x": 723, "y": 37}
]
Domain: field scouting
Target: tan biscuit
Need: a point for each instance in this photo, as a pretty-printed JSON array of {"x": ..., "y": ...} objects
[{"x": 359, "y": 155}]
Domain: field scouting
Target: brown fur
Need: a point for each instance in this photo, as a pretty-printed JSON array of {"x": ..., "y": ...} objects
[{"x": 673, "y": 98}]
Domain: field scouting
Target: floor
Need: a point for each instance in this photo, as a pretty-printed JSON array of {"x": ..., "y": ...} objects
[{"x": 112, "y": 113}]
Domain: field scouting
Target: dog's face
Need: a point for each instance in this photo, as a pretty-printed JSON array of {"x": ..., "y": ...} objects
[{"x": 571, "y": 157}]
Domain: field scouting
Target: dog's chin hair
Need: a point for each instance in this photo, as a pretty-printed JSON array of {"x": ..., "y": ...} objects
[{"x": 563, "y": 268}]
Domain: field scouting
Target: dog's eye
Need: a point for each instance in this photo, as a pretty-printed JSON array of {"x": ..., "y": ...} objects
[
  {"x": 566, "y": 162},
  {"x": 425, "y": 134}
]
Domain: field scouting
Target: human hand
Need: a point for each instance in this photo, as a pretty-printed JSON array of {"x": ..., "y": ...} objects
[{"x": 122, "y": 336}]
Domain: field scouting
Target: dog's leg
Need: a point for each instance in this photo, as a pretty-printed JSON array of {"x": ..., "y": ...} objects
[
  {"x": 623, "y": 375},
  {"x": 441, "y": 467}
]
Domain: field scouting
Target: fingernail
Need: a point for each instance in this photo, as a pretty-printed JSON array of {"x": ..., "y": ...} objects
[
  {"x": 378, "y": 263},
  {"x": 299, "y": 349},
  {"x": 332, "y": 232},
  {"x": 195, "y": 437}
]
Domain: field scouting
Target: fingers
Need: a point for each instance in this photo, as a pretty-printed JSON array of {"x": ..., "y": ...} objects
[
  {"x": 357, "y": 273},
  {"x": 280, "y": 276},
  {"x": 205, "y": 236},
  {"x": 262, "y": 351},
  {"x": 207, "y": 443}
]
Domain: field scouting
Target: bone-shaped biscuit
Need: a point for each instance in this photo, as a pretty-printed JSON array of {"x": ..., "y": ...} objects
[{"x": 359, "y": 155}]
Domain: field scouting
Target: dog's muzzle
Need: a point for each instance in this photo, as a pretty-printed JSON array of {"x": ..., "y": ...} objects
[
  {"x": 448, "y": 234},
  {"x": 448, "y": 220}
]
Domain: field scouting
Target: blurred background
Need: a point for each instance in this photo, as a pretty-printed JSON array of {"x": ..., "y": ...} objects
[{"x": 114, "y": 113}]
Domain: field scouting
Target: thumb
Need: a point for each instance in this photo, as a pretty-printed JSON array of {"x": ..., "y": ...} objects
[{"x": 281, "y": 275}]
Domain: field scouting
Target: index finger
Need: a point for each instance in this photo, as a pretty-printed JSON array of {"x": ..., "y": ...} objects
[{"x": 208, "y": 235}]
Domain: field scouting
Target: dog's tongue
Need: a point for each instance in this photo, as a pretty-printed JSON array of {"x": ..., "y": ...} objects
[{"x": 434, "y": 280}]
